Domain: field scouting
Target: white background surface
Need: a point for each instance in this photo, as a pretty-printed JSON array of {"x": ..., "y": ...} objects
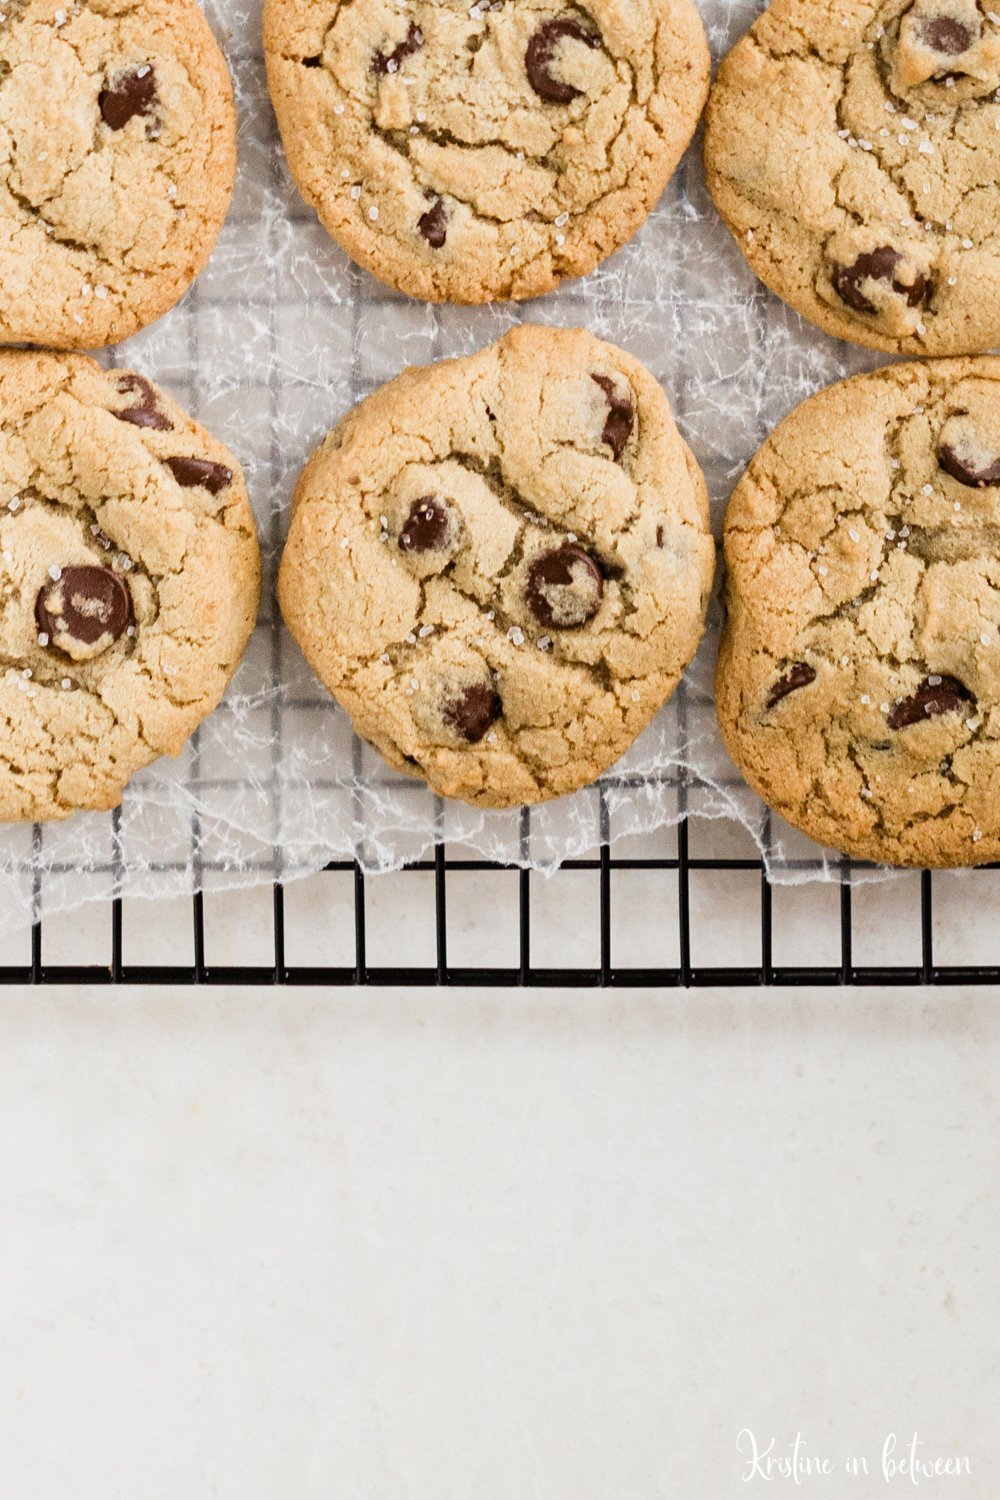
[{"x": 479, "y": 1247}]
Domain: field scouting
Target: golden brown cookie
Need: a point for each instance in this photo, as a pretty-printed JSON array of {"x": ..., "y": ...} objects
[
  {"x": 129, "y": 580},
  {"x": 499, "y": 565},
  {"x": 117, "y": 158},
  {"x": 853, "y": 148},
  {"x": 470, "y": 151},
  {"x": 858, "y": 683}
]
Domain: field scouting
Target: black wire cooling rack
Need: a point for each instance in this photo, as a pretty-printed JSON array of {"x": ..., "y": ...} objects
[{"x": 672, "y": 876}]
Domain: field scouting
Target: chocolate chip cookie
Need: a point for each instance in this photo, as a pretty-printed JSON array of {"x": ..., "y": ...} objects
[
  {"x": 117, "y": 157},
  {"x": 499, "y": 565},
  {"x": 469, "y": 151},
  {"x": 129, "y": 580},
  {"x": 858, "y": 683},
  {"x": 854, "y": 152}
]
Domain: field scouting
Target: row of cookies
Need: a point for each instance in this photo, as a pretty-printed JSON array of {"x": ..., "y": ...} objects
[
  {"x": 468, "y": 152},
  {"x": 461, "y": 151},
  {"x": 473, "y": 151},
  {"x": 500, "y": 567}
]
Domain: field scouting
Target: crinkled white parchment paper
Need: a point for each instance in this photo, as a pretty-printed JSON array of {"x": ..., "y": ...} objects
[{"x": 279, "y": 336}]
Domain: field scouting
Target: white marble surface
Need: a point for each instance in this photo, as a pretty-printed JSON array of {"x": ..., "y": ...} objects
[{"x": 492, "y": 1247}]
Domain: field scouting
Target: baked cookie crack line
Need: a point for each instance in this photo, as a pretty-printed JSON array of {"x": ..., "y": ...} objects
[{"x": 444, "y": 138}]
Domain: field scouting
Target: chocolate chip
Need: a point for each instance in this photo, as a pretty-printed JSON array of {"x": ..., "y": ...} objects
[
  {"x": 132, "y": 93},
  {"x": 966, "y": 472},
  {"x": 429, "y": 527},
  {"x": 312, "y": 62},
  {"x": 876, "y": 265},
  {"x": 85, "y": 607},
  {"x": 935, "y": 695},
  {"x": 540, "y": 55},
  {"x": 945, "y": 35},
  {"x": 799, "y": 675},
  {"x": 192, "y": 472},
  {"x": 388, "y": 62},
  {"x": 144, "y": 412},
  {"x": 472, "y": 712},
  {"x": 565, "y": 588},
  {"x": 659, "y": 536},
  {"x": 433, "y": 225},
  {"x": 621, "y": 418}
]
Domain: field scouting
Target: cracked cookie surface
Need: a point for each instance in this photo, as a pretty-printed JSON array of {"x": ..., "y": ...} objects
[
  {"x": 499, "y": 565},
  {"x": 129, "y": 580},
  {"x": 858, "y": 683},
  {"x": 470, "y": 151},
  {"x": 853, "y": 149},
  {"x": 117, "y": 158}
]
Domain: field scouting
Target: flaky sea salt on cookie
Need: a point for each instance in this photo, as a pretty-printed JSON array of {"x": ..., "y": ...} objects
[
  {"x": 117, "y": 159},
  {"x": 499, "y": 565},
  {"x": 853, "y": 148},
  {"x": 464, "y": 152},
  {"x": 858, "y": 683},
  {"x": 129, "y": 580}
]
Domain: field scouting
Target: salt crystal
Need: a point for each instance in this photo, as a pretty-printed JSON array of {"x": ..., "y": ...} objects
[{"x": 55, "y": 573}]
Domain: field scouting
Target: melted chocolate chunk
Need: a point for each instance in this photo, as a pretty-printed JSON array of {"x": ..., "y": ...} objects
[
  {"x": 799, "y": 675},
  {"x": 84, "y": 607},
  {"x": 565, "y": 588},
  {"x": 429, "y": 527},
  {"x": 541, "y": 52},
  {"x": 472, "y": 712},
  {"x": 875, "y": 265},
  {"x": 312, "y": 62},
  {"x": 964, "y": 471},
  {"x": 621, "y": 418},
  {"x": 945, "y": 35},
  {"x": 388, "y": 62},
  {"x": 935, "y": 695},
  {"x": 433, "y": 225},
  {"x": 192, "y": 472},
  {"x": 144, "y": 412},
  {"x": 132, "y": 93}
]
